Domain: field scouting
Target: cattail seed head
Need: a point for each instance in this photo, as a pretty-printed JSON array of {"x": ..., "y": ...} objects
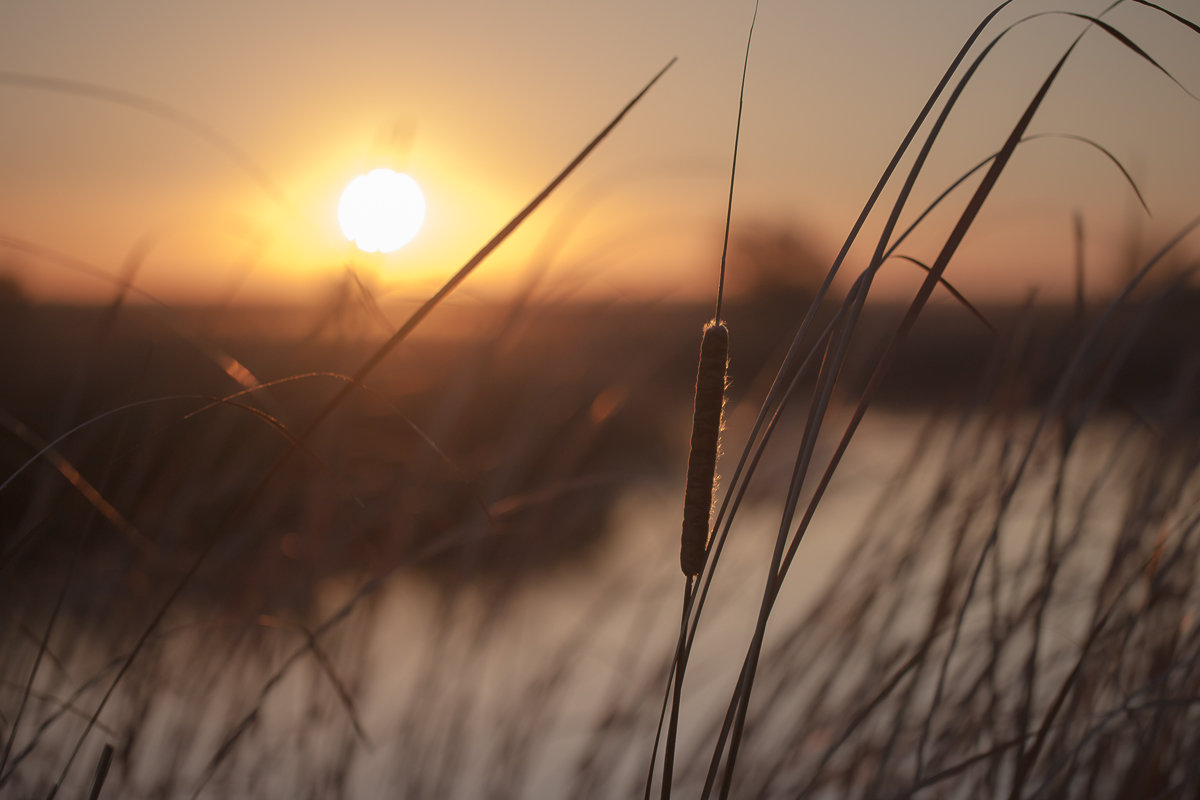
[{"x": 706, "y": 436}]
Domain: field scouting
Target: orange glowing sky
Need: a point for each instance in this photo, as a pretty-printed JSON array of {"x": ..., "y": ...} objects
[{"x": 484, "y": 102}]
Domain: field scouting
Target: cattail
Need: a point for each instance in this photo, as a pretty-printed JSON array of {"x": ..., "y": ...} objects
[{"x": 706, "y": 435}]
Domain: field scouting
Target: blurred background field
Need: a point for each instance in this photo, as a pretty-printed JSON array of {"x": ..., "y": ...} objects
[
  {"x": 230, "y": 568},
  {"x": 464, "y": 583}
]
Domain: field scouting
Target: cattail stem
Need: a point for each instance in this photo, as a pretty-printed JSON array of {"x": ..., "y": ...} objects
[
  {"x": 706, "y": 436},
  {"x": 101, "y": 771}
]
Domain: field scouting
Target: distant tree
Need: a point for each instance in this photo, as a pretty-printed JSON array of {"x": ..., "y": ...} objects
[
  {"x": 11, "y": 293},
  {"x": 770, "y": 260},
  {"x": 1177, "y": 270}
]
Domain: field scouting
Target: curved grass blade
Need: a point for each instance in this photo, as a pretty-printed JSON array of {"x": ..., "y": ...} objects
[
  {"x": 1182, "y": 21},
  {"x": 983, "y": 163},
  {"x": 1125, "y": 40}
]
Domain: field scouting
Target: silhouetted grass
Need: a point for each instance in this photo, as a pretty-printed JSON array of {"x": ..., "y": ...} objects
[
  {"x": 829, "y": 350},
  {"x": 460, "y": 580}
]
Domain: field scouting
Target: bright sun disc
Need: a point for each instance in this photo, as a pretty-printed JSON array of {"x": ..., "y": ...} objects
[{"x": 381, "y": 211}]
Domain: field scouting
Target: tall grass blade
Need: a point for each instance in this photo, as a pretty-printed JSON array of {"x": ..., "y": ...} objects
[{"x": 102, "y": 765}]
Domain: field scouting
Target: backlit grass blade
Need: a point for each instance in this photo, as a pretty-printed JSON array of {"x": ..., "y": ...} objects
[
  {"x": 449, "y": 286},
  {"x": 1181, "y": 20},
  {"x": 1129, "y": 43},
  {"x": 983, "y": 163}
]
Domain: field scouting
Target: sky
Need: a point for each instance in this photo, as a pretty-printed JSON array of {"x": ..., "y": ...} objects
[{"x": 483, "y": 102}]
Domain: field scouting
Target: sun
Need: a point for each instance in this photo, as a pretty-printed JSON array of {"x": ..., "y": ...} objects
[{"x": 381, "y": 211}]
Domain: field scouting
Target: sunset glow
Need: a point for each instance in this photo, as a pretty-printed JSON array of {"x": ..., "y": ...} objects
[
  {"x": 116, "y": 132},
  {"x": 381, "y": 211}
]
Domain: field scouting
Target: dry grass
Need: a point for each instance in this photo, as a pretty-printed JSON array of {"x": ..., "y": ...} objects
[{"x": 445, "y": 587}]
